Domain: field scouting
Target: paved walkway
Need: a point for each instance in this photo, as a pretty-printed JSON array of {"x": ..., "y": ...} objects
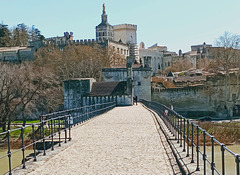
[{"x": 121, "y": 141}]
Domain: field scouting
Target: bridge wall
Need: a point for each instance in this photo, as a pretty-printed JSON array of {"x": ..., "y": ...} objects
[
  {"x": 219, "y": 97},
  {"x": 191, "y": 102}
]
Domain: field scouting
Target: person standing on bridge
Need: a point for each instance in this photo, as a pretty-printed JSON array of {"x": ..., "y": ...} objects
[{"x": 134, "y": 99}]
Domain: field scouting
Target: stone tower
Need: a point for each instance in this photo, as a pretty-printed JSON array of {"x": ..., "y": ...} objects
[{"x": 104, "y": 31}]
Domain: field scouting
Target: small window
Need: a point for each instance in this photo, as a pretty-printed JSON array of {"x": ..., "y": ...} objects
[
  {"x": 139, "y": 83},
  {"x": 234, "y": 96}
]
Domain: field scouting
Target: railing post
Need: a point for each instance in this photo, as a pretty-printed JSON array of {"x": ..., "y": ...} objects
[
  {"x": 59, "y": 131},
  {"x": 171, "y": 123},
  {"x": 175, "y": 126},
  {"x": 184, "y": 135},
  {"x": 192, "y": 142},
  {"x": 204, "y": 152},
  {"x": 197, "y": 148},
  {"x": 237, "y": 164},
  {"x": 23, "y": 147},
  {"x": 54, "y": 128},
  {"x": 52, "y": 134},
  {"x": 69, "y": 129},
  {"x": 34, "y": 143},
  {"x": 178, "y": 128},
  {"x": 187, "y": 138},
  {"x": 65, "y": 128},
  {"x": 181, "y": 132},
  {"x": 9, "y": 154},
  {"x": 223, "y": 159},
  {"x": 44, "y": 146},
  {"x": 212, "y": 163}
]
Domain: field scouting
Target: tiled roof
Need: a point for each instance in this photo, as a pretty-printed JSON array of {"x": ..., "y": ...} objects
[
  {"x": 108, "y": 88},
  {"x": 189, "y": 79}
]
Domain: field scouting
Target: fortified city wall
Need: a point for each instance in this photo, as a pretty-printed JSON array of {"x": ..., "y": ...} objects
[{"x": 213, "y": 99}]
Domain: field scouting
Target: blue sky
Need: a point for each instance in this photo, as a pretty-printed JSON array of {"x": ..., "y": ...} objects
[{"x": 178, "y": 24}]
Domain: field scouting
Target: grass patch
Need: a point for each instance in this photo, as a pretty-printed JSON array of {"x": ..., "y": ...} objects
[
  {"x": 227, "y": 133},
  {"x": 27, "y": 122}
]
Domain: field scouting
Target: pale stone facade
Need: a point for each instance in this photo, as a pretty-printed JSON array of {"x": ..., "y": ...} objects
[
  {"x": 119, "y": 48},
  {"x": 127, "y": 33},
  {"x": 202, "y": 50},
  {"x": 157, "y": 57},
  {"x": 141, "y": 79}
]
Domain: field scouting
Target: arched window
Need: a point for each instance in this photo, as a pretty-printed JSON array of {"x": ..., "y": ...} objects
[{"x": 121, "y": 51}]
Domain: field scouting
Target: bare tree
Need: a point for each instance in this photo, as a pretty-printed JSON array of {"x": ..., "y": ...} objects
[
  {"x": 179, "y": 64},
  {"x": 225, "y": 58}
]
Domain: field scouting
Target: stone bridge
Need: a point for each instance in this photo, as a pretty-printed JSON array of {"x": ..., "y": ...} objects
[
  {"x": 125, "y": 140},
  {"x": 147, "y": 138}
]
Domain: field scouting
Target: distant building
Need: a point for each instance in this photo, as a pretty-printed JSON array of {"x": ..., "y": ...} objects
[
  {"x": 157, "y": 57},
  {"x": 141, "y": 79},
  {"x": 104, "y": 31},
  {"x": 121, "y": 83},
  {"x": 203, "y": 50},
  {"x": 121, "y": 39},
  {"x": 16, "y": 54}
]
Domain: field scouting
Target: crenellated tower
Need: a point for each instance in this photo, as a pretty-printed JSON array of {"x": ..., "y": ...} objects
[{"x": 104, "y": 31}]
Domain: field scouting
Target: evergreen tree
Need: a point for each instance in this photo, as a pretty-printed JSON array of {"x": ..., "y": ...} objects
[
  {"x": 5, "y": 36},
  {"x": 20, "y": 35},
  {"x": 35, "y": 34}
]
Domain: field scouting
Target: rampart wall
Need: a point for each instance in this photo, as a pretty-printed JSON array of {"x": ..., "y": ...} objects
[{"x": 216, "y": 98}]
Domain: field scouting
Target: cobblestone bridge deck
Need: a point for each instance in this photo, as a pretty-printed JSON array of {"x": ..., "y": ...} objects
[{"x": 124, "y": 140}]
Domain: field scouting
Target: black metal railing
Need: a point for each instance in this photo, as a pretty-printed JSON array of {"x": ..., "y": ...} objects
[
  {"x": 188, "y": 134},
  {"x": 52, "y": 129}
]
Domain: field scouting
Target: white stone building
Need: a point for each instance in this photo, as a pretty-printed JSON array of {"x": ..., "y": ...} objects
[
  {"x": 121, "y": 38},
  {"x": 157, "y": 57}
]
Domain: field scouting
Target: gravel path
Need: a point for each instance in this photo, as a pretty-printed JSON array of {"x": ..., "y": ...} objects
[{"x": 121, "y": 141}]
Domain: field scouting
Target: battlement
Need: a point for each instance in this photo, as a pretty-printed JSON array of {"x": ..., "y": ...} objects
[
  {"x": 125, "y": 26},
  {"x": 68, "y": 42}
]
